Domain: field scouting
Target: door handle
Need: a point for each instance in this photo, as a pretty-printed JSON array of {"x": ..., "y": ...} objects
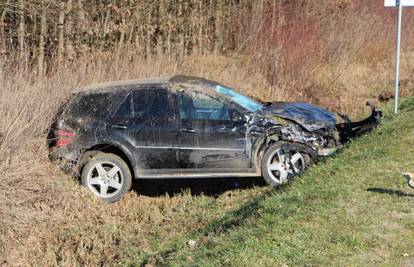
[
  {"x": 188, "y": 130},
  {"x": 120, "y": 127}
]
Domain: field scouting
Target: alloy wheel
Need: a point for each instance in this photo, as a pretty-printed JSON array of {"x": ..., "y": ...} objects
[
  {"x": 105, "y": 179},
  {"x": 281, "y": 166}
]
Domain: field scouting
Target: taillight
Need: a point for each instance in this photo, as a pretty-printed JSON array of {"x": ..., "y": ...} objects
[{"x": 64, "y": 138}]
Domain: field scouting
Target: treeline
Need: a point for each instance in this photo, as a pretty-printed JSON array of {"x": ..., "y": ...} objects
[
  {"x": 286, "y": 41},
  {"x": 37, "y": 31}
]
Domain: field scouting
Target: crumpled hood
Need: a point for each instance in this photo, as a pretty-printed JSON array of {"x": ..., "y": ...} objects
[{"x": 309, "y": 116}]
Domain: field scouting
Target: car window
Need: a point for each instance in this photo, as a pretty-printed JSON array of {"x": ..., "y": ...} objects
[
  {"x": 202, "y": 101},
  {"x": 97, "y": 105},
  {"x": 240, "y": 99},
  {"x": 199, "y": 106},
  {"x": 151, "y": 103},
  {"x": 125, "y": 108}
]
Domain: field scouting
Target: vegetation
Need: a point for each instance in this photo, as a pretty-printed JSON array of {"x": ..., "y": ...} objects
[{"x": 336, "y": 53}]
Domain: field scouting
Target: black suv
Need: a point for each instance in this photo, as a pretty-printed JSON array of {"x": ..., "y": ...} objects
[{"x": 188, "y": 127}]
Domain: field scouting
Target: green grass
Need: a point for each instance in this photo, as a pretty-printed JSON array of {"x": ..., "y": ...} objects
[{"x": 351, "y": 210}]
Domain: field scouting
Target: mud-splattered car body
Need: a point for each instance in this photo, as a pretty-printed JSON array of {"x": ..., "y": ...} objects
[{"x": 183, "y": 126}]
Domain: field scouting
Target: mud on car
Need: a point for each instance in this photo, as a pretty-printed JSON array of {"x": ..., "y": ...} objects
[{"x": 189, "y": 127}]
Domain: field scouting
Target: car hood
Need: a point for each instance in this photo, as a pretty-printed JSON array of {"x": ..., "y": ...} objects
[{"x": 309, "y": 116}]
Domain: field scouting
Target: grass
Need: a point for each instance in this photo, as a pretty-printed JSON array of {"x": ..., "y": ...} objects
[{"x": 351, "y": 210}]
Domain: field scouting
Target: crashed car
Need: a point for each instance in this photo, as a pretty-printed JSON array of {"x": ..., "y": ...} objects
[{"x": 188, "y": 127}]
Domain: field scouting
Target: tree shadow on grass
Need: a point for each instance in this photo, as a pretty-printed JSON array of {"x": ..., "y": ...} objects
[
  {"x": 208, "y": 187},
  {"x": 392, "y": 192}
]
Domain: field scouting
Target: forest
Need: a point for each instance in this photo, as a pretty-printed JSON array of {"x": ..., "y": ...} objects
[
  {"x": 39, "y": 32},
  {"x": 285, "y": 42}
]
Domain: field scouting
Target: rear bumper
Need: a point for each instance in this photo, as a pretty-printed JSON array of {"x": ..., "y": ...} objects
[{"x": 64, "y": 159}]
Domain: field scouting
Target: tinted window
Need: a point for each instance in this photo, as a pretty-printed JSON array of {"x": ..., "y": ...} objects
[
  {"x": 151, "y": 103},
  {"x": 199, "y": 106},
  {"x": 97, "y": 105},
  {"x": 125, "y": 108}
]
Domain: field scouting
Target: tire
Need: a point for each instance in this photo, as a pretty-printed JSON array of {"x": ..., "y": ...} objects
[
  {"x": 279, "y": 166},
  {"x": 107, "y": 176}
]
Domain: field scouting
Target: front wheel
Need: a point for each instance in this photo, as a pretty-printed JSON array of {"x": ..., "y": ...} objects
[
  {"x": 107, "y": 176},
  {"x": 279, "y": 164}
]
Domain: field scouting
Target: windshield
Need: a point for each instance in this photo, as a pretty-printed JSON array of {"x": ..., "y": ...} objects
[{"x": 240, "y": 99}]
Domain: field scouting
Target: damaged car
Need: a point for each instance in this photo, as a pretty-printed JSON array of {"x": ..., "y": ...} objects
[{"x": 189, "y": 127}]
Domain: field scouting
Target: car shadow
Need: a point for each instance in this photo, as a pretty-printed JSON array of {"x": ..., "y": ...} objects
[
  {"x": 205, "y": 186},
  {"x": 392, "y": 192}
]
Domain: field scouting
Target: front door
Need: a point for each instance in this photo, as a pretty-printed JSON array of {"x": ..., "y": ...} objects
[{"x": 210, "y": 139}]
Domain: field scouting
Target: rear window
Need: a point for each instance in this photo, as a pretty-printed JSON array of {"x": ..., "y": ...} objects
[
  {"x": 151, "y": 103},
  {"x": 93, "y": 105}
]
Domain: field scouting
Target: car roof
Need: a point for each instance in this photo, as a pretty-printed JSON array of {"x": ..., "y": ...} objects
[{"x": 128, "y": 84}]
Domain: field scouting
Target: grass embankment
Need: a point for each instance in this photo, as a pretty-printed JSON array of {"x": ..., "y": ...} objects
[{"x": 352, "y": 210}]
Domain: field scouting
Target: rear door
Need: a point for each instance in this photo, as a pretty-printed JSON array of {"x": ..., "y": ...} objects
[
  {"x": 151, "y": 130},
  {"x": 212, "y": 134}
]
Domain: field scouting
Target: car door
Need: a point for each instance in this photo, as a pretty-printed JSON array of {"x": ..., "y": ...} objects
[
  {"x": 151, "y": 130},
  {"x": 212, "y": 134}
]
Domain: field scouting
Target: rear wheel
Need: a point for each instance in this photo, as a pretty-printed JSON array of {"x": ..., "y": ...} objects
[
  {"x": 107, "y": 176},
  {"x": 279, "y": 164}
]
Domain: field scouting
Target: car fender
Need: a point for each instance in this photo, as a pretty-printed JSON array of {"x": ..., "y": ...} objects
[{"x": 118, "y": 145}]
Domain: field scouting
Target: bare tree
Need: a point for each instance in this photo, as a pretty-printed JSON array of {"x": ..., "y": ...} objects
[
  {"x": 21, "y": 32},
  {"x": 61, "y": 29},
  {"x": 42, "y": 37},
  {"x": 2, "y": 27},
  {"x": 40, "y": 30}
]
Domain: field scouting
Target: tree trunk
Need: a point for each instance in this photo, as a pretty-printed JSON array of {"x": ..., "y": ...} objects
[
  {"x": 3, "y": 48},
  {"x": 200, "y": 28},
  {"x": 121, "y": 41},
  {"x": 181, "y": 29},
  {"x": 274, "y": 18},
  {"x": 139, "y": 47},
  {"x": 241, "y": 29},
  {"x": 104, "y": 28},
  {"x": 61, "y": 38},
  {"x": 161, "y": 26},
  {"x": 80, "y": 28},
  {"x": 21, "y": 32},
  {"x": 280, "y": 19},
  {"x": 68, "y": 31},
  {"x": 42, "y": 37},
  {"x": 218, "y": 27},
  {"x": 169, "y": 31},
  {"x": 149, "y": 25},
  {"x": 34, "y": 47},
  {"x": 186, "y": 28}
]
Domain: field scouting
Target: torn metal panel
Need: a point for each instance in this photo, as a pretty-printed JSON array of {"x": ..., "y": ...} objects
[{"x": 350, "y": 130}]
